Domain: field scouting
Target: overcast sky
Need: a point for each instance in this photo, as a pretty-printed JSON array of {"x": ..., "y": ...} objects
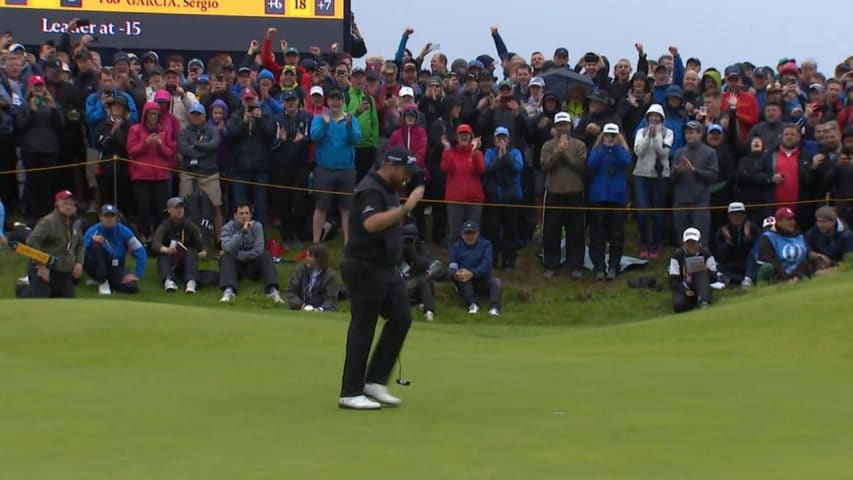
[{"x": 718, "y": 32}]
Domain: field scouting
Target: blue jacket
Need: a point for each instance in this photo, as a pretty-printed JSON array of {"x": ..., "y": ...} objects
[
  {"x": 14, "y": 99},
  {"x": 836, "y": 245},
  {"x": 2, "y": 218},
  {"x": 335, "y": 142},
  {"x": 271, "y": 106},
  {"x": 608, "y": 166},
  {"x": 502, "y": 178},
  {"x": 475, "y": 258},
  {"x": 118, "y": 240},
  {"x": 659, "y": 91},
  {"x": 95, "y": 112}
]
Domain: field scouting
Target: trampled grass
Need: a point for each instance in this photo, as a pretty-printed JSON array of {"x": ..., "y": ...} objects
[{"x": 756, "y": 387}]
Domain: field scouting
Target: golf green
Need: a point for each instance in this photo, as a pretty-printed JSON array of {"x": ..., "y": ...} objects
[{"x": 758, "y": 388}]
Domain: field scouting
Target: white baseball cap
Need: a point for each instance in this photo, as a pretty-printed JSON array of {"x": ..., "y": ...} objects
[
  {"x": 692, "y": 234},
  {"x": 736, "y": 207},
  {"x": 537, "y": 82},
  {"x": 611, "y": 128},
  {"x": 16, "y": 46},
  {"x": 317, "y": 90},
  {"x": 562, "y": 117},
  {"x": 407, "y": 91}
]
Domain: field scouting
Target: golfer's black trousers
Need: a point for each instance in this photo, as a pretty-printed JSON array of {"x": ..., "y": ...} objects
[{"x": 373, "y": 291}]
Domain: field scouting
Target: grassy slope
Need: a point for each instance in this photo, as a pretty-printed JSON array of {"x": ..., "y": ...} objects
[
  {"x": 755, "y": 388},
  {"x": 528, "y": 298}
]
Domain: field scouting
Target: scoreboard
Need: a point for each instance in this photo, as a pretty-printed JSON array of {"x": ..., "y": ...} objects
[{"x": 195, "y": 25}]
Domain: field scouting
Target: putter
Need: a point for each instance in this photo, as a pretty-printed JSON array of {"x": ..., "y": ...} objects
[{"x": 400, "y": 380}]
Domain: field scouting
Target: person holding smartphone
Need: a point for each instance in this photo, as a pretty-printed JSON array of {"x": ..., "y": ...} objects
[
  {"x": 39, "y": 127},
  {"x": 692, "y": 269}
]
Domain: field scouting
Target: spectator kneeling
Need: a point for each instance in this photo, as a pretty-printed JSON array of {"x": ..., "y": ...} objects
[
  {"x": 107, "y": 244},
  {"x": 692, "y": 268},
  {"x": 244, "y": 253},
  {"x": 314, "y": 286},
  {"x": 470, "y": 269}
]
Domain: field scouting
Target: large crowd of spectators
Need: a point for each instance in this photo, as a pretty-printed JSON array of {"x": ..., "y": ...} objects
[{"x": 513, "y": 151}]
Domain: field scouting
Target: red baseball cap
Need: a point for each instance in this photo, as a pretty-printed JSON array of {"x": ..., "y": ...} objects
[
  {"x": 249, "y": 92},
  {"x": 464, "y": 128},
  {"x": 784, "y": 213},
  {"x": 63, "y": 195},
  {"x": 36, "y": 80}
]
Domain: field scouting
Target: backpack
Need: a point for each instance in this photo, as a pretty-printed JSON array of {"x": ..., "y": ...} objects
[{"x": 199, "y": 210}]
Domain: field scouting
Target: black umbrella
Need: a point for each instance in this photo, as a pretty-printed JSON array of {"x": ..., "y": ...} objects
[{"x": 560, "y": 81}]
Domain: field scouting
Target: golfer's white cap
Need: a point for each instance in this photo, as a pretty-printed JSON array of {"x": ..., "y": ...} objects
[
  {"x": 736, "y": 207},
  {"x": 611, "y": 128},
  {"x": 407, "y": 91},
  {"x": 562, "y": 117},
  {"x": 317, "y": 90},
  {"x": 692, "y": 234}
]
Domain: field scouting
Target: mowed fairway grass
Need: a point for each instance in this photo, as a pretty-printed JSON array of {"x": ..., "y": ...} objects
[{"x": 759, "y": 387}]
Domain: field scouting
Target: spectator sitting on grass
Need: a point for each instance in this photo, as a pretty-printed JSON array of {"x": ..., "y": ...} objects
[
  {"x": 470, "y": 268},
  {"x": 107, "y": 244},
  {"x": 830, "y": 239},
  {"x": 418, "y": 271},
  {"x": 179, "y": 246},
  {"x": 783, "y": 252},
  {"x": 734, "y": 246},
  {"x": 313, "y": 286},
  {"x": 244, "y": 253},
  {"x": 692, "y": 269}
]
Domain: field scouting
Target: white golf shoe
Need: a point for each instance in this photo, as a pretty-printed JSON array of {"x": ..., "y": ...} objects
[
  {"x": 380, "y": 393},
  {"x": 360, "y": 402}
]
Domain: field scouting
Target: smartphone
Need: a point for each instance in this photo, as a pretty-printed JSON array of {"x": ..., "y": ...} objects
[
  {"x": 85, "y": 22},
  {"x": 436, "y": 46},
  {"x": 505, "y": 100},
  {"x": 220, "y": 78},
  {"x": 171, "y": 88}
]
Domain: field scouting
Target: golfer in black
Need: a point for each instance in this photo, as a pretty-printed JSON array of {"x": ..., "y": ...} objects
[{"x": 371, "y": 273}]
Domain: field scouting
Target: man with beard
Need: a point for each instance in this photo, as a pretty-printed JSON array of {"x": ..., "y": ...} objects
[{"x": 370, "y": 270}]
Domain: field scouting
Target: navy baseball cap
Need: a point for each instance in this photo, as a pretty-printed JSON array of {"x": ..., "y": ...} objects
[
  {"x": 108, "y": 209},
  {"x": 470, "y": 227},
  {"x": 121, "y": 57},
  {"x": 400, "y": 156},
  {"x": 289, "y": 95},
  {"x": 732, "y": 71}
]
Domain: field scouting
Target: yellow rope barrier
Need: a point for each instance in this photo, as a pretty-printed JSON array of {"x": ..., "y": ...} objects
[{"x": 826, "y": 200}]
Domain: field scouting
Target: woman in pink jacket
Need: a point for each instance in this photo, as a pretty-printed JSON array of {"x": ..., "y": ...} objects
[
  {"x": 151, "y": 147},
  {"x": 413, "y": 137},
  {"x": 464, "y": 165}
]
